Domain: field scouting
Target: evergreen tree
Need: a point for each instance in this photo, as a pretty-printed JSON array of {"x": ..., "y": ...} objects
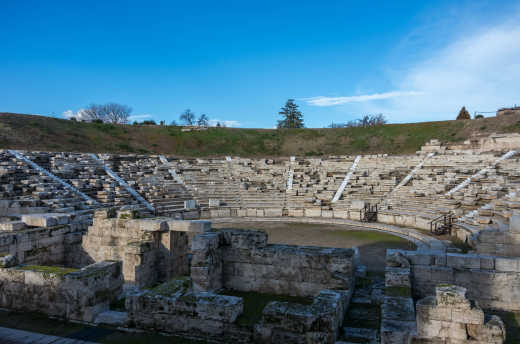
[
  {"x": 463, "y": 114},
  {"x": 292, "y": 117}
]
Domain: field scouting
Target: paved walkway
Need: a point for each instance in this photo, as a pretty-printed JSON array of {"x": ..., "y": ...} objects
[
  {"x": 422, "y": 240},
  {"x": 11, "y": 336}
]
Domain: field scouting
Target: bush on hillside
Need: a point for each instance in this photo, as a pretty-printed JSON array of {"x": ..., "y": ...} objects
[{"x": 463, "y": 114}]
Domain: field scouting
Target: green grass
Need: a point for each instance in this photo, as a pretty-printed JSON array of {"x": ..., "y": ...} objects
[
  {"x": 374, "y": 236},
  {"x": 45, "y": 133},
  {"x": 398, "y": 291},
  {"x": 47, "y": 269},
  {"x": 254, "y": 304}
]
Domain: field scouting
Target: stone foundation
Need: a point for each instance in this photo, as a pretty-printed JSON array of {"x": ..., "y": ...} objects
[
  {"x": 242, "y": 260},
  {"x": 61, "y": 292}
]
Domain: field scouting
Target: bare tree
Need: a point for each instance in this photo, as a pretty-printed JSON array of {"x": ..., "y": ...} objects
[
  {"x": 108, "y": 113},
  {"x": 203, "y": 121},
  {"x": 188, "y": 117},
  {"x": 365, "y": 121},
  {"x": 117, "y": 113},
  {"x": 93, "y": 112}
]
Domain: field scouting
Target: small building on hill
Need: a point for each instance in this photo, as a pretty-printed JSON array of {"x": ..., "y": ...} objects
[{"x": 509, "y": 111}]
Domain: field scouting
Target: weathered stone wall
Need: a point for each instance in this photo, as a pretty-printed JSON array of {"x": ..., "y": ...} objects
[
  {"x": 284, "y": 322},
  {"x": 242, "y": 260},
  {"x": 493, "y": 281},
  {"x": 449, "y": 317},
  {"x": 505, "y": 243},
  {"x": 74, "y": 295},
  {"x": 397, "y": 312},
  {"x": 174, "y": 308},
  {"x": 152, "y": 250},
  {"x": 43, "y": 245}
]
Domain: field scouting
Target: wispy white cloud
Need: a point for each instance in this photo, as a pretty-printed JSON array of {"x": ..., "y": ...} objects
[
  {"x": 331, "y": 101},
  {"x": 479, "y": 70},
  {"x": 79, "y": 115},
  {"x": 138, "y": 117},
  {"x": 227, "y": 123}
]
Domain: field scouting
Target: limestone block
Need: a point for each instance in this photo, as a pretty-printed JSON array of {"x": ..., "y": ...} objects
[
  {"x": 46, "y": 220},
  {"x": 12, "y": 226},
  {"x": 340, "y": 214},
  {"x": 214, "y": 203},
  {"x": 271, "y": 212},
  {"x": 151, "y": 225},
  {"x": 452, "y": 296},
  {"x": 397, "y": 277},
  {"x": 493, "y": 331},
  {"x": 387, "y": 218},
  {"x": 397, "y": 332},
  {"x": 441, "y": 329},
  {"x": 296, "y": 212},
  {"x": 105, "y": 213},
  {"x": 514, "y": 224},
  {"x": 507, "y": 264},
  {"x": 194, "y": 226},
  {"x": 327, "y": 213},
  {"x": 242, "y": 213},
  {"x": 251, "y": 212},
  {"x": 463, "y": 261},
  {"x": 357, "y": 205},
  {"x": 313, "y": 212}
]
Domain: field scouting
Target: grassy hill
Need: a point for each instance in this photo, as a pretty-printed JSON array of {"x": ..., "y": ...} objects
[{"x": 31, "y": 132}]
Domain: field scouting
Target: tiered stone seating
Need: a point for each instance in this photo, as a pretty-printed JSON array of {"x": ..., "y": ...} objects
[
  {"x": 210, "y": 179},
  {"x": 262, "y": 182},
  {"x": 315, "y": 181},
  {"x": 375, "y": 177},
  {"x": 90, "y": 177},
  {"x": 425, "y": 196},
  {"x": 26, "y": 190},
  {"x": 152, "y": 180}
]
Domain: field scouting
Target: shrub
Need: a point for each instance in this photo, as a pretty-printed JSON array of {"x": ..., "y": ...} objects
[{"x": 463, "y": 114}]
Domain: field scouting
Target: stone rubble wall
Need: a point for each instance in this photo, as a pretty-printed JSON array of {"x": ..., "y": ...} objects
[
  {"x": 202, "y": 315},
  {"x": 320, "y": 322},
  {"x": 78, "y": 295},
  {"x": 398, "y": 323},
  {"x": 242, "y": 260},
  {"x": 40, "y": 241},
  {"x": 449, "y": 317},
  {"x": 492, "y": 281},
  {"x": 152, "y": 250}
]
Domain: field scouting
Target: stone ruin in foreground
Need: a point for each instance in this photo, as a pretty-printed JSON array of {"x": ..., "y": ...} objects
[{"x": 82, "y": 233}]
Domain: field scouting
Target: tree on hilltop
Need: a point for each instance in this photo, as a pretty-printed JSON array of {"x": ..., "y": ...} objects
[
  {"x": 188, "y": 117},
  {"x": 109, "y": 113},
  {"x": 291, "y": 116},
  {"x": 203, "y": 121},
  {"x": 463, "y": 114}
]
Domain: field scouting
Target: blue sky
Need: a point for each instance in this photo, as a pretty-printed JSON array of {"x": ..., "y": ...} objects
[{"x": 238, "y": 61}]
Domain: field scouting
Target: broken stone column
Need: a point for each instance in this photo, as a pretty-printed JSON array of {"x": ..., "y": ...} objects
[{"x": 450, "y": 317}]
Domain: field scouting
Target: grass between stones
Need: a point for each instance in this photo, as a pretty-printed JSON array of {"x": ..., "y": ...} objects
[
  {"x": 398, "y": 291},
  {"x": 47, "y": 269},
  {"x": 254, "y": 304}
]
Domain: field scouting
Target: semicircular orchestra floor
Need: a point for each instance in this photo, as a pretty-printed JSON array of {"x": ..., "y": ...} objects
[{"x": 372, "y": 244}]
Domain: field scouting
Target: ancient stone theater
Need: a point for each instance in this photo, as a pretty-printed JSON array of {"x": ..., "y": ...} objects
[{"x": 126, "y": 242}]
